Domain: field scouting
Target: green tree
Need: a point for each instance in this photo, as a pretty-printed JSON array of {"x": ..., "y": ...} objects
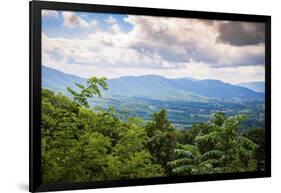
[
  {"x": 161, "y": 139},
  {"x": 59, "y": 135},
  {"x": 91, "y": 89},
  {"x": 189, "y": 160},
  {"x": 258, "y": 137},
  {"x": 187, "y": 136},
  {"x": 130, "y": 158},
  {"x": 91, "y": 156},
  {"x": 79, "y": 144},
  {"x": 218, "y": 149}
]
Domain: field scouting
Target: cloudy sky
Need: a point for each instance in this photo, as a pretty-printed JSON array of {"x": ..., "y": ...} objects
[{"x": 113, "y": 45}]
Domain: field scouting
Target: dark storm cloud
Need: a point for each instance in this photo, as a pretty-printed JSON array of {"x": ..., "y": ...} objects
[{"x": 241, "y": 33}]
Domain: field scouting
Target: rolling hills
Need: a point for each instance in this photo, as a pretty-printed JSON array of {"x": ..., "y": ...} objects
[{"x": 155, "y": 87}]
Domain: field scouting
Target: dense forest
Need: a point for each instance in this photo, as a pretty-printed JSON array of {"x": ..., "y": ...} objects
[{"x": 81, "y": 143}]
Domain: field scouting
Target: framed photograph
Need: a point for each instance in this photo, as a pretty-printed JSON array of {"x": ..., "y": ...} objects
[{"x": 125, "y": 96}]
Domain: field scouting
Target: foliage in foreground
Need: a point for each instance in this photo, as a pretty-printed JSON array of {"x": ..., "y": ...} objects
[
  {"x": 217, "y": 149},
  {"x": 80, "y": 144}
]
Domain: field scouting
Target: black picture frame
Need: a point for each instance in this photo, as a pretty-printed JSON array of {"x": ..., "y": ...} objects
[{"x": 35, "y": 177}]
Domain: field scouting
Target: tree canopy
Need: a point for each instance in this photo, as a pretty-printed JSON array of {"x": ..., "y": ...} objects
[{"x": 83, "y": 144}]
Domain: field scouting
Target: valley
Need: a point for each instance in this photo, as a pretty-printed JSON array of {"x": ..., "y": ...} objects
[{"x": 184, "y": 113}]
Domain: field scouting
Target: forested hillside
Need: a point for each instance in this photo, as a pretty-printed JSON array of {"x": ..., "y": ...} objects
[{"x": 82, "y": 143}]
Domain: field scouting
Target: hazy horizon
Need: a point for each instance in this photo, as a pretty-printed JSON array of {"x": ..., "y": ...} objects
[{"x": 187, "y": 77}]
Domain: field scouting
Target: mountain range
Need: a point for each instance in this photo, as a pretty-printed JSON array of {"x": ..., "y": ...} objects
[
  {"x": 255, "y": 86},
  {"x": 155, "y": 87}
]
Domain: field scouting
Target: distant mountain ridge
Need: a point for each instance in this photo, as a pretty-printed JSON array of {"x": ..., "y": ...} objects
[
  {"x": 255, "y": 86},
  {"x": 154, "y": 87},
  {"x": 57, "y": 80}
]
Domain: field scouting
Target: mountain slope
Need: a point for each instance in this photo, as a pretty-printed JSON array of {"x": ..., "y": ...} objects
[
  {"x": 255, "y": 86},
  {"x": 216, "y": 89},
  {"x": 154, "y": 87},
  {"x": 57, "y": 80},
  {"x": 150, "y": 86}
]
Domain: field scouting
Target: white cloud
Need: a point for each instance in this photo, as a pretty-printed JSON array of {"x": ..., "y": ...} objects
[
  {"x": 71, "y": 20},
  {"x": 115, "y": 28},
  {"x": 171, "y": 47},
  {"x": 50, "y": 13}
]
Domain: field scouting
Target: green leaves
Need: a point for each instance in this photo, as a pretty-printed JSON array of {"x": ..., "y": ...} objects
[
  {"x": 257, "y": 136},
  {"x": 218, "y": 148},
  {"x": 80, "y": 144},
  {"x": 161, "y": 139},
  {"x": 189, "y": 161},
  {"x": 91, "y": 89}
]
